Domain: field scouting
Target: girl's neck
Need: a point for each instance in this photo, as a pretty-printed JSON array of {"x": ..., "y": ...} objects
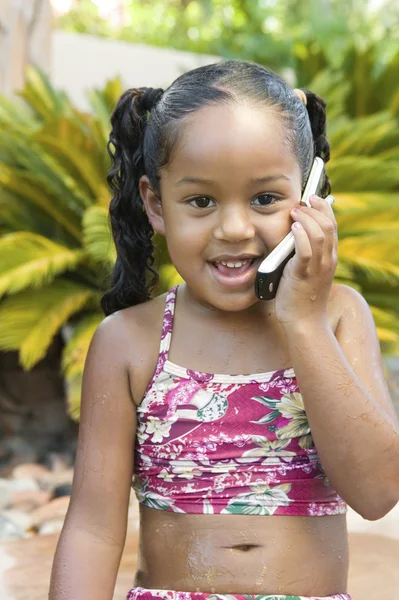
[{"x": 200, "y": 308}]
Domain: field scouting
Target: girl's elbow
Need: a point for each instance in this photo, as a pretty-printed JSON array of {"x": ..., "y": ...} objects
[{"x": 379, "y": 507}]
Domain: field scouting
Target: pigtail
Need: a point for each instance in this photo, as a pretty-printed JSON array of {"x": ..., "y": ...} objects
[
  {"x": 133, "y": 275},
  {"x": 316, "y": 108}
]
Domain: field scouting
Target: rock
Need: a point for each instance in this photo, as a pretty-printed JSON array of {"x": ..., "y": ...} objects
[
  {"x": 16, "y": 450},
  {"x": 46, "y": 479},
  {"x": 21, "y": 485},
  {"x": 29, "y": 500},
  {"x": 10, "y": 487},
  {"x": 53, "y": 526},
  {"x": 57, "y": 462},
  {"x": 30, "y": 471},
  {"x": 62, "y": 490},
  {"x": 5, "y": 494},
  {"x": 20, "y": 518},
  {"x": 52, "y": 480},
  {"x": 56, "y": 509},
  {"x": 9, "y": 529}
]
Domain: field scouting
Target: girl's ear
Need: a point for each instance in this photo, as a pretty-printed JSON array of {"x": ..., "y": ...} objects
[{"x": 152, "y": 204}]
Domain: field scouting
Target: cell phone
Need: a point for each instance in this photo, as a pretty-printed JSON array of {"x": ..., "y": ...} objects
[{"x": 271, "y": 269}]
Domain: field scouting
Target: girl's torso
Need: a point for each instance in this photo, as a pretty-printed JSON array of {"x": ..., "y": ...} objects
[{"x": 229, "y": 553}]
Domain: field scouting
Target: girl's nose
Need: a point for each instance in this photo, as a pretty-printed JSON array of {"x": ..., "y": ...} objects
[{"x": 234, "y": 225}]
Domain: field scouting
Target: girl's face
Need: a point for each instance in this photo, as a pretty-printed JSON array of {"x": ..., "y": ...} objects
[{"x": 226, "y": 199}]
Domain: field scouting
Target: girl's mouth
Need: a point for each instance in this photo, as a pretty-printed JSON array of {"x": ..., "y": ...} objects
[
  {"x": 233, "y": 268},
  {"x": 233, "y": 273}
]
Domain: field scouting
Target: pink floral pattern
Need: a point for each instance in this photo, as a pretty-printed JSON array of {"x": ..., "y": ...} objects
[
  {"x": 227, "y": 444},
  {"x": 139, "y": 593}
]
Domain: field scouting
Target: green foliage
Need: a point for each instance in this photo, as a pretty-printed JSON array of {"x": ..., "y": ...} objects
[
  {"x": 302, "y": 37},
  {"x": 56, "y": 242}
]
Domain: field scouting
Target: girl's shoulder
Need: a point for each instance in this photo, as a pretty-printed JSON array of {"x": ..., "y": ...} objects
[
  {"x": 346, "y": 303},
  {"x": 354, "y": 322},
  {"x": 135, "y": 334},
  {"x": 135, "y": 321}
]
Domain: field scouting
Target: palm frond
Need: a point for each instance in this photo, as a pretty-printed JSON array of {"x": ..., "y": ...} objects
[
  {"x": 75, "y": 158},
  {"x": 16, "y": 116},
  {"x": 362, "y": 136},
  {"x": 364, "y": 202},
  {"x": 74, "y": 357},
  {"x": 29, "y": 155},
  {"x": 102, "y": 103},
  {"x": 376, "y": 259},
  {"x": 334, "y": 89},
  {"x": 31, "y": 189},
  {"x": 30, "y": 319},
  {"x": 74, "y": 395},
  {"x": 352, "y": 174},
  {"x": 75, "y": 351},
  {"x": 381, "y": 223},
  {"x": 42, "y": 97},
  {"x": 31, "y": 260},
  {"x": 387, "y": 324},
  {"x": 97, "y": 235}
]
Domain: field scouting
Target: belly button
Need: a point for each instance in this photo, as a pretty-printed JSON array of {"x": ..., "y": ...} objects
[{"x": 244, "y": 547}]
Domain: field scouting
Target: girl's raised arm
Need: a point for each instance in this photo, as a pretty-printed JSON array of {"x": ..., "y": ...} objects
[{"x": 92, "y": 540}]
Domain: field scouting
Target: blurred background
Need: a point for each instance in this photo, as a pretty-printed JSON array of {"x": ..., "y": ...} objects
[{"x": 63, "y": 64}]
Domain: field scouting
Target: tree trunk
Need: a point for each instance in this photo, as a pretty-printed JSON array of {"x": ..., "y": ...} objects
[{"x": 25, "y": 38}]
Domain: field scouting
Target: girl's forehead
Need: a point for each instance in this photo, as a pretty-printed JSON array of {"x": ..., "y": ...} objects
[{"x": 234, "y": 136}]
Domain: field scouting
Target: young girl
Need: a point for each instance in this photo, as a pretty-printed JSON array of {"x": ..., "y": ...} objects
[{"x": 247, "y": 426}]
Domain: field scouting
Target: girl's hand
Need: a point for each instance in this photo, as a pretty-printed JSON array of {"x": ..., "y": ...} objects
[{"x": 307, "y": 278}]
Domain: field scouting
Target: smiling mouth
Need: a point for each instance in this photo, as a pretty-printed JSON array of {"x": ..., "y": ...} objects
[{"x": 231, "y": 268}]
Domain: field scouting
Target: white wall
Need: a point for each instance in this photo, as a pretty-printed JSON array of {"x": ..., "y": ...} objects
[{"x": 81, "y": 62}]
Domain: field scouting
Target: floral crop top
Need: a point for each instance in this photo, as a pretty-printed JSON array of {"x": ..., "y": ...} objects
[{"x": 227, "y": 444}]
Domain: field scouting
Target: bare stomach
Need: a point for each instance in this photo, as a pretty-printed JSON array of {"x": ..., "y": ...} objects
[{"x": 243, "y": 554}]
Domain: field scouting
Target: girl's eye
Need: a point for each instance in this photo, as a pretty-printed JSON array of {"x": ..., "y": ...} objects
[
  {"x": 202, "y": 202},
  {"x": 265, "y": 200}
]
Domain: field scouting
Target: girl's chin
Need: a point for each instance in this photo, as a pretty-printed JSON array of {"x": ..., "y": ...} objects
[{"x": 214, "y": 296}]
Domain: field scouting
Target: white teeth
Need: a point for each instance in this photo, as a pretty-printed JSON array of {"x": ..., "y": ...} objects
[{"x": 235, "y": 265}]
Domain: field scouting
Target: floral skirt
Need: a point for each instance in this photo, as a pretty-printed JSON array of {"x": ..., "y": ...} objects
[{"x": 139, "y": 593}]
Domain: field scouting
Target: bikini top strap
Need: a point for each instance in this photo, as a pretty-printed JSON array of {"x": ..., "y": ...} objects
[{"x": 167, "y": 326}]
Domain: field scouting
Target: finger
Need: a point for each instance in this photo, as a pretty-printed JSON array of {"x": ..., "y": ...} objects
[
  {"x": 313, "y": 222},
  {"x": 327, "y": 225},
  {"x": 303, "y": 250},
  {"x": 324, "y": 206}
]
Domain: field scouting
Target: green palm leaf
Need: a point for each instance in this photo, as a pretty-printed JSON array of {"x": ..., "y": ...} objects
[
  {"x": 353, "y": 173},
  {"x": 74, "y": 357},
  {"x": 32, "y": 260},
  {"x": 77, "y": 161},
  {"x": 97, "y": 235},
  {"x": 363, "y": 136},
  {"x": 41, "y": 96},
  {"x": 32, "y": 190},
  {"x": 374, "y": 255},
  {"x": 358, "y": 202},
  {"x": 387, "y": 324},
  {"x": 30, "y": 320},
  {"x": 43, "y": 166}
]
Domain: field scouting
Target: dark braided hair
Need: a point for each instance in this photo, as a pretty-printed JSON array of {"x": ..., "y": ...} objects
[{"x": 146, "y": 128}]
